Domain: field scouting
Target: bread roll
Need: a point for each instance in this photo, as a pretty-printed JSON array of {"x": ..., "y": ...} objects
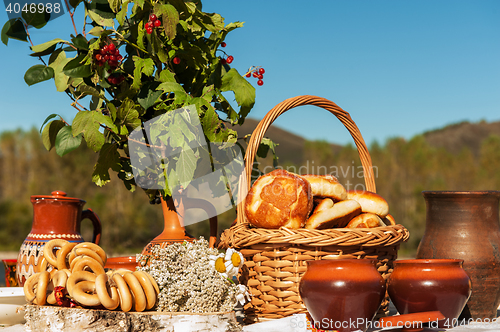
[
  {"x": 323, "y": 204},
  {"x": 326, "y": 186},
  {"x": 279, "y": 199},
  {"x": 365, "y": 220},
  {"x": 389, "y": 220},
  {"x": 370, "y": 202},
  {"x": 338, "y": 215}
]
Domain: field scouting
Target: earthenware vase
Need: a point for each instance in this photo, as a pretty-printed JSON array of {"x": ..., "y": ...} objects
[
  {"x": 124, "y": 262},
  {"x": 54, "y": 217},
  {"x": 465, "y": 225},
  {"x": 342, "y": 294},
  {"x": 422, "y": 285}
]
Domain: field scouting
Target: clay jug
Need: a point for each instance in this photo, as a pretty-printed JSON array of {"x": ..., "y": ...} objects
[
  {"x": 465, "y": 225},
  {"x": 54, "y": 217},
  {"x": 342, "y": 294}
]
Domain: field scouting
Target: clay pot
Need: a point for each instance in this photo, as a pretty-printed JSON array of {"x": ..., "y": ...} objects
[
  {"x": 422, "y": 285},
  {"x": 342, "y": 294},
  {"x": 125, "y": 262},
  {"x": 54, "y": 217},
  {"x": 465, "y": 225}
]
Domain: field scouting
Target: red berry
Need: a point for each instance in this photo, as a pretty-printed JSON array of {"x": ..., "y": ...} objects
[
  {"x": 249, "y": 74},
  {"x": 157, "y": 23},
  {"x": 223, "y": 44},
  {"x": 261, "y": 71},
  {"x": 152, "y": 17},
  {"x": 223, "y": 61},
  {"x": 113, "y": 63},
  {"x": 112, "y": 58},
  {"x": 230, "y": 59},
  {"x": 177, "y": 60},
  {"x": 149, "y": 31},
  {"x": 119, "y": 57},
  {"x": 98, "y": 57},
  {"x": 260, "y": 82},
  {"x": 149, "y": 25},
  {"x": 104, "y": 49},
  {"x": 255, "y": 74},
  {"x": 106, "y": 57},
  {"x": 260, "y": 76},
  {"x": 111, "y": 47}
]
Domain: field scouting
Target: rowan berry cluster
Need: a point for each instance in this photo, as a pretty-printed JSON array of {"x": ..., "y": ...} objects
[
  {"x": 258, "y": 73},
  {"x": 154, "y": 22},
  {"x": 108, "y": 54}
]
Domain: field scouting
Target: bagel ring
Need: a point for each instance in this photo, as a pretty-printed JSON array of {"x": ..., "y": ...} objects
[
  {"x": 62, "y": 255},
  {"x": 84, "y": 293},
  {"x": 101, "y": 285},
  {"x": 95, "y": 248},
  {"x": 88, "y": 252},
  {"x": 153, "y": 282},
  {"x": 89, "y": 262},
  {"x": 58, "y": 279},
  {"x": 147, "y": 286},
  {"x": 124, "y": 292},
  {"x": 48, "y": 250},
  {"x": 41, "y": 287},
  {"x": 137, "y": 291},
  {"x": 29, "y": 286},
  {"x": 77, "y": 277}
]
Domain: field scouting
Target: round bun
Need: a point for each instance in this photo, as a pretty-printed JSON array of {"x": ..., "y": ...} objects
[
  {"x": 370, "y": 202},
  {"x": 326, "y": 186},
  {"x": 279, "y": 199},
  {"x": 389, "y": 220},
  {"x": 365, "y": 220},
  {"x": 338, "y": 215}
]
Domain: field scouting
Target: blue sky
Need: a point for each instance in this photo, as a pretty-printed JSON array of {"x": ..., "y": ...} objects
[{"x": 398, "y": 67}]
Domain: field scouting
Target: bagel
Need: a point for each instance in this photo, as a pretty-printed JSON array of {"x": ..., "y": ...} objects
[
  {"x": 77, "y": 277},
  {"x": 29, "y": 287},
  {"x": 365, "y": 220},
  {"x": 338, "y": 215},
  {"x": 370, "y": 202},
  {"x": 61, "y": 258},
  {"x": 48, "y": 250},
  {"x": 153, "y": 282},
  {"x": 88, "y": 262},
  {"x": 147, "y": 286},
  {"x": 279, "y": 199},
  {"x": 58, "y": 280},
  {"x": 77, "y": 252},
  {"x": 103, "y": 290},
  {"x": 326, "y": 186},
  {"x": 124, "y": 292},
  {"x": 41, "y": 287},
  {"x": 93, "y": 247},
  {"x": 84, "y": 293},
  {"x": 135, "y": 286}
]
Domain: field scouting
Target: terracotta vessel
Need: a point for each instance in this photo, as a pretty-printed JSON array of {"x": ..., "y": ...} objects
[
  {"x": 125, "y": 262},
  {"x": 173, "y": 221},
  {"x": 342, "y": 294},
  {"x": 54, "y": 217},
  {"x": 422, "y": 285},
  {"x": 10, "y": 272},
  {"x": 465, "y": 225}
]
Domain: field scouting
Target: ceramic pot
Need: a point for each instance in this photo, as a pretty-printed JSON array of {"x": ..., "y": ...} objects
[
  {"x": 54, "y": 217},
  {"x": 422, "y": 285},
  {"x": 465, "y": 225},
  {"x": 125, "y": 262},
  {"x": 342, "y": 294}
]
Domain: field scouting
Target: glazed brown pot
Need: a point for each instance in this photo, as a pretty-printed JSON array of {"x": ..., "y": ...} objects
[
  {"x": 465, "y": 225},
  {"x": 54, "y": 217},
  {"x": 421, "y": 285},
  {"x": 342, "y": 294},
  {"x": 125, "y": 262}
]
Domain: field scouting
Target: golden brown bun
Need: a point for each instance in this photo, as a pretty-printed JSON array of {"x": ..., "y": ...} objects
[
  {"x": 365, "y": 220},
  {"x": 389, "y": 220},
  {"x": 370, "y": 202},
  {"x": 338, "y": 215},
  {"x": 323, "y": 204},
  {"x": 279, "y": 199},
  {"x": 326, "y": 186}
]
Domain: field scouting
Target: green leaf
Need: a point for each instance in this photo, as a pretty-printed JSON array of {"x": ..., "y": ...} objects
[
  {"x": 108, "y": 158},
  {"x": 36, "y": 19},
  {"x": 50, "y": 132},
  {"x": 88, "y": 90},
  {"x": 115, "y": 5},
  {"x": 80, "y": 42},
  {"x": 96, "y": 31},
  {"x": 147, "y": 96},
  {"x": 142, "y": 66},
  {"x": 14, "y": 29},
  {"x": 244, "y": 92},
  {"x": 167, "y": 76},
  {"x": 186, "y": 165},
  {"x": 66, "y": 142},
  {"x": 60, "y": 79},
  {"x": 46, "y": 46},
  {"x": 169, "y": 17},
  {"x": 47, "y": 119},
  {"x": 120, "y": 16},
  {"x": 74, "y": 68},
  {"x": 171, "y": 87},
  {"x": 265, "y": 145},
  {"x": 100, "y": 12},
  {"x": 88, "y": 123},
  {"x": 75, "y": 3},
  {"x": 127, "y": 115},
  {"x": 37, "y": 74}
]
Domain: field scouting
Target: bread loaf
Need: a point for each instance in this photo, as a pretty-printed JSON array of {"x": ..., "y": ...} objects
[
  {"x": 338, "y": 215},
  {"x": 370, "y": 202},
  {"x": 326, "y": 186}
]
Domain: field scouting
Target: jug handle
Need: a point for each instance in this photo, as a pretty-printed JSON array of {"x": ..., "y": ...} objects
[{"x": 96, "y": 222}]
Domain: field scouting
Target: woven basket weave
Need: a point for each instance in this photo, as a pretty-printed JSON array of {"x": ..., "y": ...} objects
[{"x": 275, "y": 259}]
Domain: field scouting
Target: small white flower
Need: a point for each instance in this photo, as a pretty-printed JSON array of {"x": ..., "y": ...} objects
[
  {"x": 242, "y": 294},
  {"x": 233, "y": 262},
  {"x": 217, "y": 261}
]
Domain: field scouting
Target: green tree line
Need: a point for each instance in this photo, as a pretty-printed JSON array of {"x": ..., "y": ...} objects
[{"x": 403, "y": 169}]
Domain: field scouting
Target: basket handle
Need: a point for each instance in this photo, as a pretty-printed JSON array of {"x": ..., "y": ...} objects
[{"x": 281, "y": 108}]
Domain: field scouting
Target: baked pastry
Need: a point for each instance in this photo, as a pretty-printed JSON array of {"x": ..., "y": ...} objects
[
  {"x": 370, "y": 202},
  {"x": 279, "y": 199},
  {"x": 389, "y": 220},
  {"x": 326, "y": 186},
  {"x": 365, "y": 220},
  {"x": 338, "y": 215},
  {"x": 322, "y": 204}
]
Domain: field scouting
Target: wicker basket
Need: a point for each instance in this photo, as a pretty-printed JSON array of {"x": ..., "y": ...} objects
[{"x": 275, "y": 259}]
